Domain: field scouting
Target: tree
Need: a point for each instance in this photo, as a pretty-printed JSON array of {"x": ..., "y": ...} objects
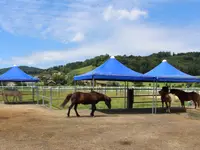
[{"x": 59, "y": 78}]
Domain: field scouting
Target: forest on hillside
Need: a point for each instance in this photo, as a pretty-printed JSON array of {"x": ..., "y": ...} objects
[
  {"x": 63, "y": 74},
  {"x": 186, "y": 62}
]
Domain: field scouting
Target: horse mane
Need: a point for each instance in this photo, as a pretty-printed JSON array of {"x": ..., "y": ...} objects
[
  {"x": 97, "y": 92},
  {"x": 100, "y": 94}
]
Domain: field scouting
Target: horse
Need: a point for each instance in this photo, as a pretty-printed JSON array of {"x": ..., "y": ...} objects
[
  {"x": 165, "y": 98},
  {"x": 186, "y": 96},
  {"x": 85, "y": 98},
  {"x": 13, "y": 93}
]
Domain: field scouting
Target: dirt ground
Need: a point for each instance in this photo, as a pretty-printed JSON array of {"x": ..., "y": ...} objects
[{"x": 32, "y": 127}]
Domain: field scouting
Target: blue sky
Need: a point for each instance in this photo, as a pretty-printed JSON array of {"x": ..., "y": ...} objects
[{"x": 46, "y": 33}]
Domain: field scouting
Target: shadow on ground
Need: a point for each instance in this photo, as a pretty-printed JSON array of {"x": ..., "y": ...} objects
[
  {"x": 23, "y": 102},
  {"x": 27, "y": 102},
  {"x": 141, "y": 110}
]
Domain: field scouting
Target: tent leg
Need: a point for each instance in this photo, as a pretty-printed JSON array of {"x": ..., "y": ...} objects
[
  {"x": 33, "y": 92},
  {"x": 153, "y": 99},
  {"x": 125, "y": 94},
  {"x": 23, "y": 86},
  {"x": 74, "y": 86},
  {"x": 2, "y": 91},
  {"x": 92, "y": 84},
  {"x": 156, "y": 97}
]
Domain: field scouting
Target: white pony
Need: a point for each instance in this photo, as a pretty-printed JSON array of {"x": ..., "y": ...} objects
[{"x": 13, "y": 93}]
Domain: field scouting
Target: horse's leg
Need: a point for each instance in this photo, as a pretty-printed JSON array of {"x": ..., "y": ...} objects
[
  {"x": 20, "y": 98},
  {"x": 6, "y": 98},
  {"x": 70, "y": 107},
  {"x": 162, "y": 104},
  {"x": 169, "y": 106},
  {"x": 93, "y": 110},
  {"x": 182, "y": 104},
  {"x": 166, "y": 106},
  {"x": 195, "y": 104},
  {"x": 75, "y": 108}
]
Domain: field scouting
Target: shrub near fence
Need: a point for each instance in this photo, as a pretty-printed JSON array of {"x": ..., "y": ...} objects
[{"x": 54, "y": 96}]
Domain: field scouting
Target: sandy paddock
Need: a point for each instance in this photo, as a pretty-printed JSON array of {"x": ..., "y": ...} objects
[{"x": 33, "y": 127}]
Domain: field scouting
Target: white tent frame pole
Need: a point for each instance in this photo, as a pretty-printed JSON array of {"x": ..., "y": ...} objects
[
  {"x": 75, "y": 86},
  {"x": 2, "y": 85},
  {"x": 153, "y": 99},
  {"x": 125, "y": 94},
  {"x": 92, "y": 83},
  {"x": 156, "y": 97}
]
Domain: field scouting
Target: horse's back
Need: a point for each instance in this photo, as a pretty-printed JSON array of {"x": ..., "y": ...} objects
[{"x": 87, "y": 98}]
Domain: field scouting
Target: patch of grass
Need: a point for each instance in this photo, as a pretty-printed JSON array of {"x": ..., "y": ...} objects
[
  {"x": 82, "y": 70},
  {"x": 117, "y": 103}
]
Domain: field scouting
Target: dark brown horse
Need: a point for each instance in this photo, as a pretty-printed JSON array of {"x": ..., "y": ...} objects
[
  {"x": 165, "y": 98},
  {"x": 186, "y": 96},
  {"x": 85, "y": 98}
]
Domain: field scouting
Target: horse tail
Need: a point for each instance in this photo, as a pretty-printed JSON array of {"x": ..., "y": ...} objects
[
  {"x": 66, "y": 100},
  {"x": 198, "y": 100}
]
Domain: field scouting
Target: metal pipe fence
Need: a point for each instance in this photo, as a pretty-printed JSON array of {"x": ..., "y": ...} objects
[{"x": 52, "y": 96}]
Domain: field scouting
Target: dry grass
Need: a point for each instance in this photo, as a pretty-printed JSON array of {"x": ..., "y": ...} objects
[{"x": 33, "y": 127}]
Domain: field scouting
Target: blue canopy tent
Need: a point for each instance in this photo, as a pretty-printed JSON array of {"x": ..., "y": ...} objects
[
  {"x": 113, "y": 70},
  {"x": 165, "y": 72},
  {"x": 15, "y": 74}
]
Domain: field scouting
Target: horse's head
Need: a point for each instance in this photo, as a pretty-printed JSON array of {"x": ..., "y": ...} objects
[
  {"x": 108, "y": 101},
  {"x": 165, "y": 89},
  {"x": 160, "y": 92}
]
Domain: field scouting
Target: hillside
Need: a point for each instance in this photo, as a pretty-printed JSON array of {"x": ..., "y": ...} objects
[
  {"x": 82, "y": 70},
  {"x": 28, "y": 70},
  {"x": 186, "y": 62}
]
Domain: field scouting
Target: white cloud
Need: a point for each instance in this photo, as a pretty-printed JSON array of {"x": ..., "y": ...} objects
[
  {"x": 134, "y": 14},
  {"x": 134, "y": 39},
  {"x": 84, "y": 21},
  {"x": 78, "y": 37}
]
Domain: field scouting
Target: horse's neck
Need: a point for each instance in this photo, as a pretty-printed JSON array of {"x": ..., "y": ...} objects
[{"x": 178, "y": 93}]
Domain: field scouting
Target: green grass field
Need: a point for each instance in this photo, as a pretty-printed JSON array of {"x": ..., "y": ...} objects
[
  {"x": 59, "y": 95},
  {"x": 82, "y": 70}
]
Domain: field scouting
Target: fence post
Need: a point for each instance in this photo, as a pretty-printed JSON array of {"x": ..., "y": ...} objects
[
  {"x": 43, "y": 95},
  {"x": 37, "y": 94},
  {"x": 59, "y": 91},
  {"x": 50, "y": 97},
  {"x": 33, "y": 93}
]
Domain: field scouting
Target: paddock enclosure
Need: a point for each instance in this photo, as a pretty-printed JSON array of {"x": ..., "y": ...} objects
[
  {"x": 35, "y": 127},
  {"x": 52, "y": 97}
]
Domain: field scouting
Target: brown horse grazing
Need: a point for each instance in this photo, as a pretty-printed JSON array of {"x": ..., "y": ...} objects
[
  {"x": 165, "y": 98},
  {"x": 85, "y": 98},
  {"x": 186, "y": 96}
]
